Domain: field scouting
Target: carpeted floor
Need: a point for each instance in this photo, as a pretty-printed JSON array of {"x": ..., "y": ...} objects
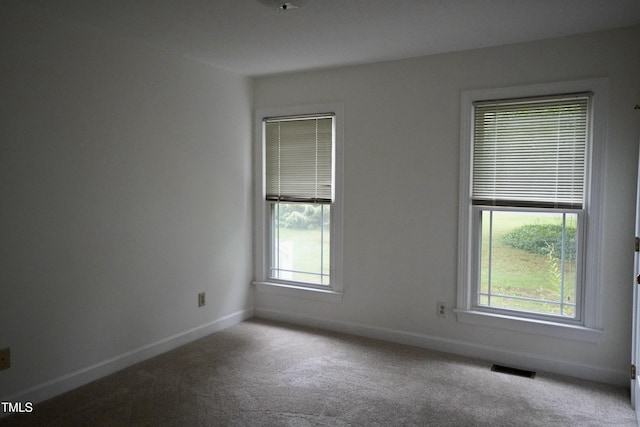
[{"x": 262, "y": 373}]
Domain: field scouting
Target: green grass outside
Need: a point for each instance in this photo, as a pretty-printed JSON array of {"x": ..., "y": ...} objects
[
  {"x": 516, "y": 272},
  {"x": 306, "y": 251}
]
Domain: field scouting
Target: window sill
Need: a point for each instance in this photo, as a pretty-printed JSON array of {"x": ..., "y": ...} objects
[
  {"x": 324, "y": 295},
  {"x": 531, "y": 326}
]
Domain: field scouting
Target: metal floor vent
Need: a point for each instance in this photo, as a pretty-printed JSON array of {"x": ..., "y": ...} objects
[{"x": 513, "y": 371}]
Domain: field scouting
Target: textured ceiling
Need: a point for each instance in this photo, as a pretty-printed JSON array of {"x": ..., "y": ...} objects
[{"x": 247, "y": 38}]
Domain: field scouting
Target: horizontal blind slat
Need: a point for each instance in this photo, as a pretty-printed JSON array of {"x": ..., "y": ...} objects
[
  {"x": 530, "y": 150},
  {"x": 299, "y": 159}
]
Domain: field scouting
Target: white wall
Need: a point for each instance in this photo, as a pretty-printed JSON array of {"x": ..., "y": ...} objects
[
  {"x": 125, "y": 186},
  {"x": 402, "y": 130}
]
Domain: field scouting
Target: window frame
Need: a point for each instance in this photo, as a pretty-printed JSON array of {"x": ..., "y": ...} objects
[
  {"x": 588, "y": 327},
  {"x": 263, "y": 243},
  {"x": 273, "y": 244},
  {"x": 580, "y": 251}
]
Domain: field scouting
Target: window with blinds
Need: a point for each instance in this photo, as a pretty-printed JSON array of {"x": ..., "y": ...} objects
[
  {"x": 531, "y": 161},
  {"x": 530, "y": 153},
  {"x": 299, "y": 159}
]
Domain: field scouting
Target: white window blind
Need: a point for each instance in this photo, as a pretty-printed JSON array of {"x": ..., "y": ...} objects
[
  {"x": 530, "y": 152},
  {"x": 299, "y": 159}
]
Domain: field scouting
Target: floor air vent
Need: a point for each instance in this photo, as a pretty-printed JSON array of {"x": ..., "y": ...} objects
[{"x": 513, "y": 371}]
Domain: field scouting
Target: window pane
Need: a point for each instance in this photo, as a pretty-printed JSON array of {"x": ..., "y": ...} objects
[
  {"x": 528, "y": 261},
  {"x": 301, "y": 242}
]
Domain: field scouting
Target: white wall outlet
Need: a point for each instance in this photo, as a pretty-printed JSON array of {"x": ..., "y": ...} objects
[
  {"x": 201, "y": 299},
  {"x": 442, "y": 309}
]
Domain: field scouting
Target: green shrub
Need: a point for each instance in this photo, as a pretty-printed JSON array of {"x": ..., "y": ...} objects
[
  {"x": 543, "y": 239},
  {"x": 302, "y": 216}
]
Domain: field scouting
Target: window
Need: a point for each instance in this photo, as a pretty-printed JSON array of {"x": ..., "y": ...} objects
[
  {"x": 299, "y": 219},
  {"x": 299, "y": 180},
  {"x": 529, "y": 193}
]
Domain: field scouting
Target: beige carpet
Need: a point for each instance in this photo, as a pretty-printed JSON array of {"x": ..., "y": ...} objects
[{"x": 261, "y": 373}]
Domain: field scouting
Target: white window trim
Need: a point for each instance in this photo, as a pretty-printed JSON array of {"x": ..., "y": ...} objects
[
  {"x": 333, "y": 292},
  {"x": 590, "y": 326}
]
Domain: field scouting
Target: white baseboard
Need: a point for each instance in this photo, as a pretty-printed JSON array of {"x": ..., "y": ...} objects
[
  {"x": 511, "y": 358},
  {"x": 84, "y": 376}
]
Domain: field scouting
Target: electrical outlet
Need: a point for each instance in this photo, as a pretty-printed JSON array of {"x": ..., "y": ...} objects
[
  {"x": 442, "y": 309},
  {"x": 5, "y": 358},
  {"x": 201, "y": 299}
]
